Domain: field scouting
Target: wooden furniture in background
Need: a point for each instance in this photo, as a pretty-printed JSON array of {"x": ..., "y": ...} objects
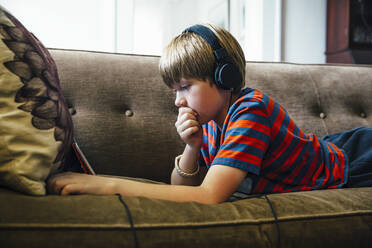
[{"x": 349, "y": 31}]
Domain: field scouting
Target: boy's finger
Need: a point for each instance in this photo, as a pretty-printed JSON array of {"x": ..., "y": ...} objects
[
  {"x": 186, "y": 116},
  {"x": 53, "y": 187},
  {"x": 57, "y": 182},
  {"x": 184, "y": 110},
  {"x": 70, "y": 189},
  {"x": 190, "y": 131},
  {"x": 187, "y": 124}
]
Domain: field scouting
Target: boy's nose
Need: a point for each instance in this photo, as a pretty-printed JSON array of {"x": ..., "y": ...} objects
[{"x": 180, "y": 101}]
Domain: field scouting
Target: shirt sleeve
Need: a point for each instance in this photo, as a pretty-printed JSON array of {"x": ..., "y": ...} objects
[{"x": 246, "y": 139}]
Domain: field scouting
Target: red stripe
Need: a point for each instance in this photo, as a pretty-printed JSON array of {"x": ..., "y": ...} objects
[
  {"x": 261, "y": 184},
  {"x": 257, "y": 96},
  {"x": 270, "y": 106},
  {"x": 341, "y": 159},
  {"x": 258, "y": 112},
  {"x": 277, "y": 123},
  {"x": 292, "y": 176},
  {"x": 284, "y": 145},
  {"x": 227, "y": 119},
  {"x": 238, "y": 155},
  {"x": 246, "y": 140},
  {"x": 335, "y": 170},
  {"x": 327, "y": 171},
  {"x": 211, "y": 140},
  {"x": 311, "y": 170},
  {"x": 250, "y": 124},
  {"x": 296, "y": 152},
  {"x": 205, "y": 146},
  {"x": 296, "y": 171},
  {"x": 317, "y": 173}
]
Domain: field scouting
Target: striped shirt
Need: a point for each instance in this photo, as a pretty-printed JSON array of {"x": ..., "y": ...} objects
[{"x": 259, "y": 136}]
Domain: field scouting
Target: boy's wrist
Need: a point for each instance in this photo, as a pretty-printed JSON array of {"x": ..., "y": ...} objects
[
  {"x": 192, "y": 150},
  {"x": 183, "y": 173},
  {"x": 112, "y": 186},
  {"x": 187, "y": 162}
]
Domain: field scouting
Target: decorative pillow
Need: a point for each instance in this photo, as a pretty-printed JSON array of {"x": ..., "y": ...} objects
[{"x": 35, "y": 124}]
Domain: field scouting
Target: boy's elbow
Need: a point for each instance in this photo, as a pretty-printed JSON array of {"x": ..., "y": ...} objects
[
  {"x": 212, "y": 201},
  {"x": 211, "y": 197}
]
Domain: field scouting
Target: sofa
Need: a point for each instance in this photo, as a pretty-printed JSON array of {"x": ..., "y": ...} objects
[{"x": 124, "y": 119}]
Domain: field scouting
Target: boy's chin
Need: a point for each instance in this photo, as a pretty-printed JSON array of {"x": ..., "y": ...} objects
[
  {"x": 202, "y": 122},
  {"x": 204, "y": 119}
]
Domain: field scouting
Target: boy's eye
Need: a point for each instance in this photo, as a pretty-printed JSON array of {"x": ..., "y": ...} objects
[{"x": 181, "y": 88}]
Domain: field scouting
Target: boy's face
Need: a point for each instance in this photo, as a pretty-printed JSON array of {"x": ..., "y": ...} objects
[{"x": 203, "y": 97}]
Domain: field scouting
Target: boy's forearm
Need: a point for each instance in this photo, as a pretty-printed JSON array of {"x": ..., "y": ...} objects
[
  {"x": 189, "y": 164},
  {"x": 76, "y": 183},
  {"x": 178, "y": 193}
]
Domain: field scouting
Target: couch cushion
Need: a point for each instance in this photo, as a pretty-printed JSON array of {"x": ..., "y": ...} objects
[
  {"x": 322, "y": 218},
  {"x": 35, "y": 124}
]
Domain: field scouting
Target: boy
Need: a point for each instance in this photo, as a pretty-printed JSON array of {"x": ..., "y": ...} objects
[{"x": 233, "y": 137}]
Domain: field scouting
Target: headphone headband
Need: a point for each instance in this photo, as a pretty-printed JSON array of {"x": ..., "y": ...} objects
[
  {"x": 226, "y": 75},
  {"x": 208, "y": 35}
]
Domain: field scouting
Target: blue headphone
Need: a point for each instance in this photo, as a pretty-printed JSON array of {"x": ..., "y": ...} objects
[{"x": 226, "y": 74}]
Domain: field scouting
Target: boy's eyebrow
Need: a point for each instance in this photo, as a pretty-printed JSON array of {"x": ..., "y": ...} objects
[
  {"x": 180, "y": 83},
  {"x": 183, "y": 81},
  {"x": 175, "y": 85}
]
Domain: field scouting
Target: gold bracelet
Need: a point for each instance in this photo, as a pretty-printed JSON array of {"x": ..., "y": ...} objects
[{"x": 181, "y": 172}]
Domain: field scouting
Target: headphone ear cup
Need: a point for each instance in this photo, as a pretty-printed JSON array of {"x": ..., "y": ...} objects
[
  {"x": 227, "y": 76},
  {"x": 217, "y": 77}
]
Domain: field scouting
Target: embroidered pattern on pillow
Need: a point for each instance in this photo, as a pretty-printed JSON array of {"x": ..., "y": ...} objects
[{"x": 37, "y": 126}]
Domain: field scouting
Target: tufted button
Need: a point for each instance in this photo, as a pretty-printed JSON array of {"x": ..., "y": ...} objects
[
  {"x": 128, "y": 113},
  {"x": 363, "y": 115},
  {"x": 72, "y": 110},
  {"x": 322, "y": 115}
]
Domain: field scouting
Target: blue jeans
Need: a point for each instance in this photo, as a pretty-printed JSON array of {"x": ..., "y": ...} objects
[{"x": 357, "y": 143}]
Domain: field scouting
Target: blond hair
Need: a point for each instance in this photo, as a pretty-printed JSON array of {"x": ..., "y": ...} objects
[{"x": 188, "y": 55}]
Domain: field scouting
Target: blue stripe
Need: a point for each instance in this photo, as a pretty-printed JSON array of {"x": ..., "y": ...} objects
[
  {"x": 302, "y": 173},
  {"x": 275, "y": 165},
  {"x": 252, "y": 133},
  {"x": 282, "y": 132},
  {"x": 249, "y": 167},
  {"x": 274, "y": 114},
  {"x": 269, "y": 187},
  {"x": 243, "y": 148},
  {"x": 265, "y": 100},
  {"x": 331, "y": 166},
  {"x": 285, "y": 157},
  {"x": 251, "y": 117}
]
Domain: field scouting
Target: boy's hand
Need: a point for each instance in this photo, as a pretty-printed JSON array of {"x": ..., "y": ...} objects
[
  {"x": 189, "y": 128},
  {"x": 75, "y": 183}
]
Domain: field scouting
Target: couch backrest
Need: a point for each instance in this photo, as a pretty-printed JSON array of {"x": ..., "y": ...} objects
[
  {"x": 321, "y": 99},
  {"x": 125, "y": 115}
]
